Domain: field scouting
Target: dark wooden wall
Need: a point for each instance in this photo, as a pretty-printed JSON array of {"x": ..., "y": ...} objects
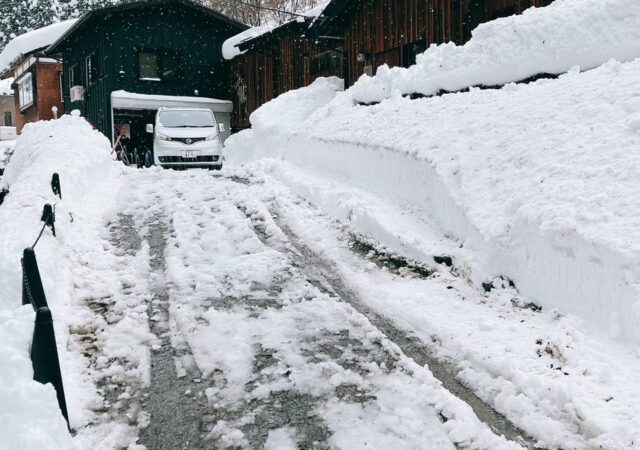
[{"x": 269, "y": 70}]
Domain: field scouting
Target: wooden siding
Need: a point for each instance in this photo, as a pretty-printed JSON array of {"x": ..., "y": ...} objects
[{"x": 283, "y": 65}]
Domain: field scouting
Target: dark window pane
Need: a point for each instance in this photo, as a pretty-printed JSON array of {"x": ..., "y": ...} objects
[
  {"x": 149, "y": 66},
  {"x": 92, "y": 69}
]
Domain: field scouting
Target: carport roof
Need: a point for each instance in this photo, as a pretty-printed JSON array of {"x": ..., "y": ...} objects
[{"x": 130, "y": 100}]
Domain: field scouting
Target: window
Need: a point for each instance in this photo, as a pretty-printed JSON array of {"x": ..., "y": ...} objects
[
  {"x": 25, "y": 91},
  {"x": 61, "y": 86},
  {"x": 7, "y": 119},
  {"x": 160, "y": 66},
  {"x": 149, "y": 66},
  {"x": 186, "y": 118},
  {"x": 74, "y": 76},
  {"x": 92, "y": 69},
  {"x": 329, "y": 62},
  {"x": 412, "y": 50}
]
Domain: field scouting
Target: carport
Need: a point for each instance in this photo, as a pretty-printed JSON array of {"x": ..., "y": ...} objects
[{"x": 134, "y": 111}]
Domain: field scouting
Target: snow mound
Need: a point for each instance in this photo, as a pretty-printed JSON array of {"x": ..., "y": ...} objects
[
  {"x": 586, "y": 33},
  {"x": 538, "y": 181},
  {"x": 81, "y": 156},
  {"x": 31, "y": 41},
  {"x": 274, "y": 122}
]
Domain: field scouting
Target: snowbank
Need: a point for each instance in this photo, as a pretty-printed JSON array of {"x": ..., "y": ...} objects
[
  {"x": 280, "y": 118},
  {"x": 81, "y": 155},
  {"x": 537, "y": 181},
  {"x": 551, "y": 40},
  {"x": 31, "y": 41}
]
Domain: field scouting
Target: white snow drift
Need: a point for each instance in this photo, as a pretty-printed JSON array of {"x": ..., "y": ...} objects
[{"x": 30, "y": 417}]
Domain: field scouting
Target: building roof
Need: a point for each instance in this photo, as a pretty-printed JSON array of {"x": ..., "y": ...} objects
[
  {"x": 240, "y": 43},
  {"x": 55, "y": 46},
  {"x": 31, "y": 42}
]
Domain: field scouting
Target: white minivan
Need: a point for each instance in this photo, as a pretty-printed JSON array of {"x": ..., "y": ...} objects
[{"x": 186, "y": 137}]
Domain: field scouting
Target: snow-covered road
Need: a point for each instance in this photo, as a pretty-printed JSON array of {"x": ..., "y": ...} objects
[
  {"x": 253, "y": 340},
  {"x": 246, "y": 318}
]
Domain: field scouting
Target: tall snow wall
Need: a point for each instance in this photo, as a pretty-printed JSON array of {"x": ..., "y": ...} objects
[{"x": 537, "y": 181}]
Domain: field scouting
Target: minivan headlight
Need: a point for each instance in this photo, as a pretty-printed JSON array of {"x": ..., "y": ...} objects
[
  {"x": 162, "y": 137},
  {"x": 212, "y": 137}
]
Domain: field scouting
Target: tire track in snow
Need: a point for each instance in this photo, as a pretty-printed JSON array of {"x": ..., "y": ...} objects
[
  {"x": 326, "y": 278},
  {"x": 175, "y": 402}
]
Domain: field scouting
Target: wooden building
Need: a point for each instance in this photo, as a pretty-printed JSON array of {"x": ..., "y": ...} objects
[
  {"x": 144, "y": 50},
  {"x": 37, "y": 78},
  {"x": 354, "y": 37},
  {"x": 283, "y": 59}
]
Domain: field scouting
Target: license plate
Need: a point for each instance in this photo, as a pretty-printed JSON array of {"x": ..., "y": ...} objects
[{"x": 189, "y": 154}]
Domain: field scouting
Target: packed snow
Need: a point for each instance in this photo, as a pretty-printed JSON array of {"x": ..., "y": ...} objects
[
  {"x": 549, "y": 40},
  {"x": 82, "y": 158},
  {"x": 34, "y": 40},
  {"x": 279, "y": 119}
]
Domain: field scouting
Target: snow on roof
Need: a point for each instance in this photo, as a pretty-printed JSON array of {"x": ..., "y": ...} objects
[
  {"x": 124, "y": 99},
  {"x": 230, "y": 47},
  {"x": 33, "y": 40},
  {"x": 5, "y": 86}
]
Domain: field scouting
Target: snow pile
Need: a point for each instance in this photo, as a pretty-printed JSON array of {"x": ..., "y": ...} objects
[
  {"x": 541, "y": 40},
  {"x": 81, "y": 155},
  {"x": 31, "y": 41},
  {"x": 537, "y": 182},
  {"x": 274, "y": 122},
  {"x": 534, "y": 182}
]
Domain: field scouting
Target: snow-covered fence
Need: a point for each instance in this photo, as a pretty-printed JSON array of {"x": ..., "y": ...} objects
[{"x": 44, "y": 353}]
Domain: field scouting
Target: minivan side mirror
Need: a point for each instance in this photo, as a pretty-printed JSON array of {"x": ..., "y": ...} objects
[
  {"x": 149, "y": 128},
  {"x": 221, "y": 127}
]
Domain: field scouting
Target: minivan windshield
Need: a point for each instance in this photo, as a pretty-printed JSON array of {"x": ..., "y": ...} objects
[{"x": 186, "y": 118}]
